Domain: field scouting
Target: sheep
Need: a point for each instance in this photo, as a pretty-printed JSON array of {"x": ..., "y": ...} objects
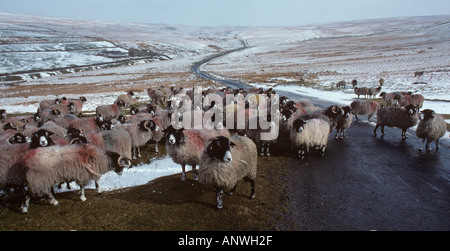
[
  {"x": 127, "y": 98},
  {"x": 225, "y": 161},
  {"x": 307, "y": 133},
  {"x": 354, "y": 83},
  {"x": 389, "y": 98},
  {"x": 272, "y": 137},
  {"x": 431, "y": 127},
  {"x": 341, "y": 83},
  {"x": 89, "y": 124},
  {"x": 77, "y": 104},
  {"x": 401, "y": 117},
  {"x": 364, "y": 107},
  {"x": 185, "y": 147},
  {"x": 11, "y": 136},
  {"x": 404, "y": 100},
  {"x": 110, "y": 111},
  {"x": 118, "y": 141},
  {"x": 12, "y": 172},
  {"x": 44, "y": 104},
  {"x": 156, "y": 95},
  {"x": 372, "y": 92},
  {"x": 343, "y": 122},
  {"x": 417, "y": 100},
  {"x": 2, "y": 116},
  {"x": 361, "y": 91},
  {"x": 46, "y": 167},
  {"x": 140, "y": 134}
]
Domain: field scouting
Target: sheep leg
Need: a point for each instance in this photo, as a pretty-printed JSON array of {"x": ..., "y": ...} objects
[
  {"x": 301, "y": 152},
  {"x": 261, "y": 149},
  {"x": 322, "y": 151},
  {"x": 156, "y": 147},
  {"x": 428, "y": 147},
  {"x": 375, "y": 130},
  {"x": 382, "y": 130},
  {"x": 421, "y": 145},
  {"x": 53, "y": 201},
  {"x": 97, "y": 187},
  {"x": 403, "y": 133},
  {"x": 268, "y": 149},
  {"x": 252, "y": 187},
  {"x": 232, "y": 190},
  {"x": 139, "y": 152},
  {"x": 183, "y": 172},
  {"x": 82, "y": 197},
  {"x": 356, "y": 117},
  {"x": 133, "y": 154},
  {"x": 437, "y": 146},
  {"x": 219, "y": 192},
  {"x": 194, "y": 169},
  {"x": 25, "y": 204},
  {"x": 336, "y": 135},
  {"x": 342, "y": 133}
]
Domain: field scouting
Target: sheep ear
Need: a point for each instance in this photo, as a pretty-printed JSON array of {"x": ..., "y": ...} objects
[{"x": 232, "y": 144}]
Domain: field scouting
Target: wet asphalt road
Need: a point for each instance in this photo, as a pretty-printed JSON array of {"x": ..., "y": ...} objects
[{"x": 365, "y": 182}]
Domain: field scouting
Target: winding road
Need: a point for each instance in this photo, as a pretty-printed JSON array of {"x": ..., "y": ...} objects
[{"x": 363, "y": 182}]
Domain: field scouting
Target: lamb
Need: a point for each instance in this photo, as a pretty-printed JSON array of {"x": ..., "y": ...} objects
[
  {"x": 185, "y": 147},
  {"x": 364, "y": 107},
  {"x": 431, "y": 127},
  {"x": 46, "y": 167},
  {"x": 140, "y": 134},
  {"x": 225, "y": 161},
  {"x": 307, "y": 133},
  {"x": 401, "y": 117},
  {"x": 361, "y": 91},
  {"x": 110, "y": 111},
  {"x": 343, "y": 122}
]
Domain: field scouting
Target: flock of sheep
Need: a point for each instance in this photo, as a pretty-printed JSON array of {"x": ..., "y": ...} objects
[{"x": 57, "y": 145}]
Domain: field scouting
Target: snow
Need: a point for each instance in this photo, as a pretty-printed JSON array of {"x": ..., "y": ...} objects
[
  {"x": 134, "y": 176},
  {"x": 323, "y": 53}
]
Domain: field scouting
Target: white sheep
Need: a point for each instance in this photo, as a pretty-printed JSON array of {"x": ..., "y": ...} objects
[
  {"x": 310, "y": 133},
  {"x": 225, "y": 161},
  {"x": 431, "y": 127}
]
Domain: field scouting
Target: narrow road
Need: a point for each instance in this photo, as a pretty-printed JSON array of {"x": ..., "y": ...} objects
[{"x": 364, "y": 182}]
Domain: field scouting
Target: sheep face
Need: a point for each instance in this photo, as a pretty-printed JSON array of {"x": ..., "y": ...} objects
[
  {"x": 411, "y": 109},
  {"x": 428, "y": 114},
  {"x": 220, "y": 148},
  {"x": 152, "y": 125},
  {"x": 41, "y": 138},
  {"x": 18, "y": 138},
  {"x": 133, "y": 111},
  {"x": 333, "y": 111},
  {"x": 117, "y": 161},
  {"x": 174, "y": 136},
  {"x": 299, "y": 125},
  {"x": 347, "y": 110}
]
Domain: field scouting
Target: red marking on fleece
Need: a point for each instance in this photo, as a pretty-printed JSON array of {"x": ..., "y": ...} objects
[{"x": 195, "y": 137}]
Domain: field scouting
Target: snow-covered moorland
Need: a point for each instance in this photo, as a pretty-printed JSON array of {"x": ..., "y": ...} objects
[{"x": 285, "y": 57}]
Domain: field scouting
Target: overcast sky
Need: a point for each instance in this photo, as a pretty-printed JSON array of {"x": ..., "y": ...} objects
[{"x": 227, "y": 12}]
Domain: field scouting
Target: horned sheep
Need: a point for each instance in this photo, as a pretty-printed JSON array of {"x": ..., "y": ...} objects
[
  {"x": 110, "y": 111},
  {"x": 343, "y": 122},
  {"x": 400, "y": 117},
  {"x": 46, "y": 167},
  {"x": 225, "y": 161},
  {"x": 431, "y": 128},
  {"x": 140, "y": 134}
]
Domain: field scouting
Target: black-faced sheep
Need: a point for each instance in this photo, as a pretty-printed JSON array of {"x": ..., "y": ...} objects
[
  {"x": 110, "y": 111},
  {"x": 431, "y": 128},
  {"x": 46, "y": 167},
  {"x": 185, "y": 147},
  {"x": 310, "y": 133},
  {"x": 89, "y": 124},
  {"x": 343, "y": 122},
  {"x": 140, "y": 134},
  {"x": 361, "y": 91},
  {"x": 400, "y": 117},
  {"x": 264, "y": 137},
  {"x": 364, "y": 107},
  {"x": 225, "y": 161}
]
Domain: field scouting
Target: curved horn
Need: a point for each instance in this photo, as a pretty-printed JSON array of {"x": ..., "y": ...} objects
[
  {"x": 146, "y": 125},
  {"x": 119, "y": 161}
]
